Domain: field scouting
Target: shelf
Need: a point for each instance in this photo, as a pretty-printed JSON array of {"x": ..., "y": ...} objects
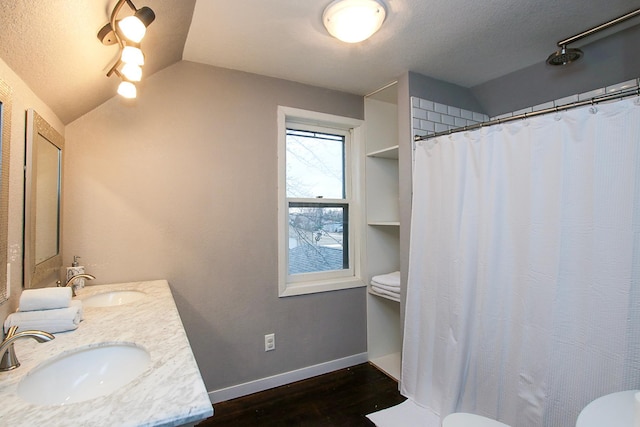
[
  {"x": 384, "y": 223},
  {"x": 372, "y": 292},
  {"x": 391, "y": 364},
  {"x": 386, "y": 153},
  {"x": 382, "y": 233}
]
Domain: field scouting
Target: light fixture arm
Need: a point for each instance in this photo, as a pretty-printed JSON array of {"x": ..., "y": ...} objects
[
  {"x": 131, "y": 5},
  {"x": 114, "y": 15},
  {"x": 115, "y": 68}
]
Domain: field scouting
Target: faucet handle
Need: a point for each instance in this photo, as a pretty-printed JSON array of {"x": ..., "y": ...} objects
[
  {"x": 9, "y": 359},
  {"x": 11, "y": 332}
]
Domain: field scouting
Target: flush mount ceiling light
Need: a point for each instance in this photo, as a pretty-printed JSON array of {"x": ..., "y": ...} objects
[
  {"x": 127, "y": 33},
  {"x": 353, "y": 21}
]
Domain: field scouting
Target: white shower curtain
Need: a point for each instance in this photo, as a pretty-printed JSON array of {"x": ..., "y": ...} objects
[{"x": 523, "y": 296}]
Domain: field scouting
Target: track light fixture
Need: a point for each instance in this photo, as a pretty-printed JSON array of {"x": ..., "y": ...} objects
[{"x": 127, "y": 33}]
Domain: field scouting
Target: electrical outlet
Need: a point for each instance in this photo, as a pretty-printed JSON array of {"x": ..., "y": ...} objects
[{"x": 269, "y": 342}]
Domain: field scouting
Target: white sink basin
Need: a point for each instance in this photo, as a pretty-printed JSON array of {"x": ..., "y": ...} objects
[
  {"x": 83, "y": 374},
  {"x": 112, "y": 298}
]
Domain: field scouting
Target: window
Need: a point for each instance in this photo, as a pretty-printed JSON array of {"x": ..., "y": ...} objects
[{"x": 319, "y": 207}]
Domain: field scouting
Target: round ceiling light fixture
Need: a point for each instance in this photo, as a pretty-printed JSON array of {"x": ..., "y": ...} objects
[{"x": 353, "y": 21}]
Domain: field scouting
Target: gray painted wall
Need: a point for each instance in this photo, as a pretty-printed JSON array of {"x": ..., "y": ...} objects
[
  {"x": 182, "y": 185},
  {"x": 443, "y": 92},
  {"x": 607, "y": 61}
]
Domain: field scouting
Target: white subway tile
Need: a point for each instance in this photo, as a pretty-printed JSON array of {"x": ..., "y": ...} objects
[
  {"x": 460, "y": 122},
  {"x": 448, "y": 120},
  {"x": 419, "y": 113},
  {"x": 419, "y": 132},
  {"x": 622, "y": 86},
  {"x": 591, "y": 94},
  {"x": 415, "y": 101},
  {"x": 454, "y": 111},
  {"x": 524, "y": 110},
  {"x": 441, "y": 128},
  {"x": 426, "y": 125},
  {"x": 478, "y": 117},
  {"x": 434, "y": 117},
  {"x": 543, "y": 106},
  {"x": 440, "y": 108},
  {"x": 566, "y": 100},
  {"x": 466, "y": 114},
  {"x": 503, "y": 116},
  {"x": 415, "y": 123},
  {"x": 426, "y": 105}
]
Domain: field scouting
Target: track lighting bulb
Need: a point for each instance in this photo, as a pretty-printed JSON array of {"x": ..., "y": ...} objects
[
  {"x": 132, "y": 28},
  {"x": 132, "y": 55},
  {"x": 127, "y": 89},
  {"x": 132, "y": 72}
]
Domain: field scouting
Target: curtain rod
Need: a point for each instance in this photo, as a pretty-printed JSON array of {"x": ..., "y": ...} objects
[{"x": 592, "y": 101}]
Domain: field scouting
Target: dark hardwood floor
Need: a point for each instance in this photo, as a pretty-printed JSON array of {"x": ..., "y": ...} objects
[{"x": 340, "y": 398}]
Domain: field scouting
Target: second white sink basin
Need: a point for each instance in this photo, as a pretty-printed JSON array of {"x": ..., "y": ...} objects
[
  {"x": 83, "y": 374},
  {"x": 111, "y": 298}
]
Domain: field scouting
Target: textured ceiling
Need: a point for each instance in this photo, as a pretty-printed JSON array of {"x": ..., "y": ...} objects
[{"x": 52, "y": 44}]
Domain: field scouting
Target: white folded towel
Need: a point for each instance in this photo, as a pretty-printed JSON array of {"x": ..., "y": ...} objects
[
  {"x": 52, "y": 321},
  {"x": 45, "y": 299},
  {"x": 390, "y": 279},
  {"x": 391, "y": 295},
  {"x": 394, "y": 289}
]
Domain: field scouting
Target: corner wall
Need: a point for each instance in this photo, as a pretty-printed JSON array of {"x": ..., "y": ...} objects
[{"x": 182, "y": 185}]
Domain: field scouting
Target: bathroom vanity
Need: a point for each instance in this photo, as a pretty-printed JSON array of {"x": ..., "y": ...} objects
[{"x": 167, "y": 391}]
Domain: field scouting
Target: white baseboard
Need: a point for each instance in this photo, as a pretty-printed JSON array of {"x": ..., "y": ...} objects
[{"x": 250, "y": 387}]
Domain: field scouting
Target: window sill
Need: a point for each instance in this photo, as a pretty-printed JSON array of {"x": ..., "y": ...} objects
[{"x": 292, "y": 289}]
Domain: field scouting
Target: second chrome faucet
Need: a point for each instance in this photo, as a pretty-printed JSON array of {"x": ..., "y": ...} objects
[{"x": 73, "y": 279}]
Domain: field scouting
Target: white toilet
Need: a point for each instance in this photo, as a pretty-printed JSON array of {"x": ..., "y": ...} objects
[{"x": 461, "y": 419}]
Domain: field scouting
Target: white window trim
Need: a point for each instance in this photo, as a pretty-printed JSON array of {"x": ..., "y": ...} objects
[{"x": 296, "y": 115}]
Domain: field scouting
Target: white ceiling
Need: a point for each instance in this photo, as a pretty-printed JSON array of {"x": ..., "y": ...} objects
[{"x": 52, "y": 44}]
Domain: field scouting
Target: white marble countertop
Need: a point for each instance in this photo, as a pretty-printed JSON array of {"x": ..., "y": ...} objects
[{"x": 170, "y": 392}]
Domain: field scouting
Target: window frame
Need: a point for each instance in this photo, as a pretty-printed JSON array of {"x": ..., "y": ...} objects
[{"x": 308, "y": 283}]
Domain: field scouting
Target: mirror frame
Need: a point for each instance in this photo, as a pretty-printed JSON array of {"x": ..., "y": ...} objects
[
  {"x": 5, "y": 143},
  {"x": 35, "y": 274}
]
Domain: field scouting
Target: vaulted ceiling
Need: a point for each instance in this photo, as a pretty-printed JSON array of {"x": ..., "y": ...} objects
[{"x": 52, "y": 44}]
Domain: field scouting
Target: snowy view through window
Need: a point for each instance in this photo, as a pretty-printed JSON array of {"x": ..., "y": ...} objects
[{"x": 318, "y": 211}]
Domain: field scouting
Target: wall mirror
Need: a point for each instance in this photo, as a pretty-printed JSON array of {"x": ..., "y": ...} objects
[
  {"x": 5, "y": 138},
  {"x": 43, "y": 202}
]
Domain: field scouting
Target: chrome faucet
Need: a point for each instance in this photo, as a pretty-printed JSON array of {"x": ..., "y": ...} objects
[
  {"x": 72, "y": 279},
  {"x": 9, "y": 360}
]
